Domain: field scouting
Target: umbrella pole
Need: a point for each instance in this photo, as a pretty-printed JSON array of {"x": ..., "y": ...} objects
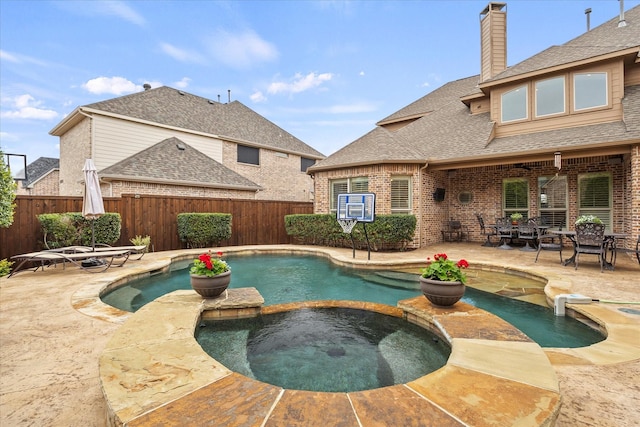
[{"x": 93, "y": 234}]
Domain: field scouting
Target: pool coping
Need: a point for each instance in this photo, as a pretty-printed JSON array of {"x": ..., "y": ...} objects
[
  {"x": 621, "y": 344},
  {"x": 495, "y": 375}
]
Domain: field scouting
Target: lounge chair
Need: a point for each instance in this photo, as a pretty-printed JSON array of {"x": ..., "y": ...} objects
[
  {"x": 134, "y": 250},
  {"x": 84, "y": 260}
]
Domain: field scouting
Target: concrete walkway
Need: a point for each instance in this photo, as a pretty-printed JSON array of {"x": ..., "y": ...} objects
[{"x": 52, "y": 333}]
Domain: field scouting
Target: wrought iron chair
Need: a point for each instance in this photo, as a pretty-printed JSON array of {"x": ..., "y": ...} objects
[
  {"x": 549, "y": 242},
  {"x": 487, "y": 233},
  {"x": 590, "y": 240},
  {"x": 505, "y": 232},
  {"x": 527, "y": 232},
  {"x": 455, "y": 228}
]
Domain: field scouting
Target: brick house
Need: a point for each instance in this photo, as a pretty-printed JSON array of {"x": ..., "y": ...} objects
[
  {"x": 42, "y": 178},
  {"x": 556, "y": 135},
  {"x": 237, "y": 152}
]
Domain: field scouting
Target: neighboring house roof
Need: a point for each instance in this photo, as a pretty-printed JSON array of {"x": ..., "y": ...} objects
[
  {"x": 171, "y": 161},
  {"x": 40, "y": 167},
  {"x": 175, "y": 108},
  {"x": 444, "y": 130}
]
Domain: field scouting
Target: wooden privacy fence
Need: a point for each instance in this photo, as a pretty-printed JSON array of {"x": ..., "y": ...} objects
[{"x": 254, "y": 222}]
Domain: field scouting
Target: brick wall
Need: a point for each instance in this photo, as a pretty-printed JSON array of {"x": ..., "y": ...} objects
[
  {"x": 75, "y": 148},
  {"x": 278, "y": 174},
  {"x": 118, "y": 188},
  {"x": 48, "y": 185}
]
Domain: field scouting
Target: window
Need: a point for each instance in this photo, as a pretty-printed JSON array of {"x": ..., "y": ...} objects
[
  {"x": 515, "y": 196},
  {"x": 350, "y": 185},
  {"x": 400, "y": 195},
  {"x": 549, "y": 96},
  {"x": 590, "y": 90},
  {"x": 250, "y": 155},
  {"x": 514, "y": 104},
  {"x": 305, "y": 163},
  {"x": 552, "y": 199},
  {"x": 594, "y": 196}
]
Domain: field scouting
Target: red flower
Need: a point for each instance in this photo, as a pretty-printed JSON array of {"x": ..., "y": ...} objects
[
  {"x": 463, "y": 264},
  {"x": 208, "y": 263},
  {"x": 219, "y": 254},
  {"x": 204, "y": 258}
]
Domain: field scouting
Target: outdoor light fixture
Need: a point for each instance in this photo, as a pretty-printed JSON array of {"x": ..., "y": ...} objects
[{"x": 557, "y": 160}]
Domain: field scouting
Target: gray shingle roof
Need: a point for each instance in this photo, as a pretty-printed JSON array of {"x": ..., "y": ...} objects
[
  {"x": 446, "y": 131},
  {"x": 604, "y": 39},
  {"x": 172, "y": 107},
  {"x": 40, "y": 167},
  {"x": 166, "y": 162}
]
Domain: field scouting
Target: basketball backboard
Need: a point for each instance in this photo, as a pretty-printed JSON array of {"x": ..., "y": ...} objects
[{"x": 358, "y": 206}]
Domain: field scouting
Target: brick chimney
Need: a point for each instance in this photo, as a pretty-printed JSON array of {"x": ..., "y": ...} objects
[{"x": 493, "y": 40}]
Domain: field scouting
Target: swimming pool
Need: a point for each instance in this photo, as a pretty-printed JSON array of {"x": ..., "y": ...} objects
[{"x": 289, "y": 278}]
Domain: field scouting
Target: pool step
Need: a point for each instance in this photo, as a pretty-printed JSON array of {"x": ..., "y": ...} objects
[{"x": 394, "y": 279}]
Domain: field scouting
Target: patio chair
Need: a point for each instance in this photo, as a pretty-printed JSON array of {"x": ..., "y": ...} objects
[
  {"x": 590, "y": 240},
  {"x": 487, "y": 233},
  {"x": 549, "y": 242},
  {"x": 527, "y": 232},
  {"x": 455, "y": 229},
  {"x": 505, "y": 232}
]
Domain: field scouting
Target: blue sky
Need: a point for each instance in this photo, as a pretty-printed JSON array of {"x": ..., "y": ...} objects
[{"x": 325, "y": 71}]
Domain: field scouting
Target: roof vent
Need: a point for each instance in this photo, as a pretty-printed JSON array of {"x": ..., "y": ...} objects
[
  {"x": 181, "y": 92},
  {"x": 146, "y": 86},
  {"x": 211, "y": 102},
  {"x": 587, "y": 12},
  {"x": 622, "y": 22},
  {"x": 180, "y": 146}
]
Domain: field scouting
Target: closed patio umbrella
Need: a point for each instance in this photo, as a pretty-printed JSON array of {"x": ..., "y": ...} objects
[{"x": 92, "y": 205}]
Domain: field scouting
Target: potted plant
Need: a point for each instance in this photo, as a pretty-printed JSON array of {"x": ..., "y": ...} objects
[
  {"x": 515, "y": 217},
  {"x": 583, "y": 219},
  {"x": 442, "y": 282},
  {"x": 210, "y": 275}
]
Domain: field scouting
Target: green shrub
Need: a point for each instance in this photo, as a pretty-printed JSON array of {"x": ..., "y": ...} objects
[
  {"x": 5, "y": 267},
  {"x": 201, "y": 230},
  {"x": 139, "y": 241},
  {"x": 71, "y": 228},
  {"x": 385, "y": 233}
]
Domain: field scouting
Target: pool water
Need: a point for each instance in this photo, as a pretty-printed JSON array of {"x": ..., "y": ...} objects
[
  {"x": 287, "y": 278},
  {"x": 324, "y": 349}
]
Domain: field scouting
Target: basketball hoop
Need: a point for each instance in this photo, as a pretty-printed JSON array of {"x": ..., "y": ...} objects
[{"x": 347, "y": 225}]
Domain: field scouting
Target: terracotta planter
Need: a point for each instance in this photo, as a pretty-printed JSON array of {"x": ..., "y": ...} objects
[
  {"x": 211, "y": 287},
  {"x": 440, "y": 293}
]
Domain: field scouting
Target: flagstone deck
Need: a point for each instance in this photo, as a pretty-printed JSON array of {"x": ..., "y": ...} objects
[{"x": 53, "y": 333}]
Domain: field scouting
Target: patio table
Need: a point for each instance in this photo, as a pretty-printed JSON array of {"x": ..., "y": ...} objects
[{"x": 610, "y": 242}]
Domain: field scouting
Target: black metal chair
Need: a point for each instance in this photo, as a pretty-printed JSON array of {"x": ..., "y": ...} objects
[
  {"x": 549, "y": 242},
  {"x": 590, "y": 240},
  {"x": 487, "y": 233},
  {"x": 505, "y": 232},
  {"x": 527, "y": 232},
  {"x": 455, "y": 228}
]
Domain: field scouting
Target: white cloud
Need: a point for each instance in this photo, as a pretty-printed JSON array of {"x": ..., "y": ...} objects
[
  {"x": 26, "y": 107},
  {"x": 19, "y": 59},
  {"x": 258, "y": 97},
  {"x": 111, "y": 85},
  {"x": 241, "y": 50},
  {"x": 6, "y": 56},
  {"x": 124, "y": 11},
  {"x": 181, "y": 54},
  {"x": 182, "y": 84},
  {"x": 361, "y": 73},
  {"x": 299, "y": 83}
]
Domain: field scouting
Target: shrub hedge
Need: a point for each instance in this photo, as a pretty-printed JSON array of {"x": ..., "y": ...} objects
[
  {"x": 387, "y": 232},
  {"x": 201, "y": 230},
  {"x": 71, "y": 228}
]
